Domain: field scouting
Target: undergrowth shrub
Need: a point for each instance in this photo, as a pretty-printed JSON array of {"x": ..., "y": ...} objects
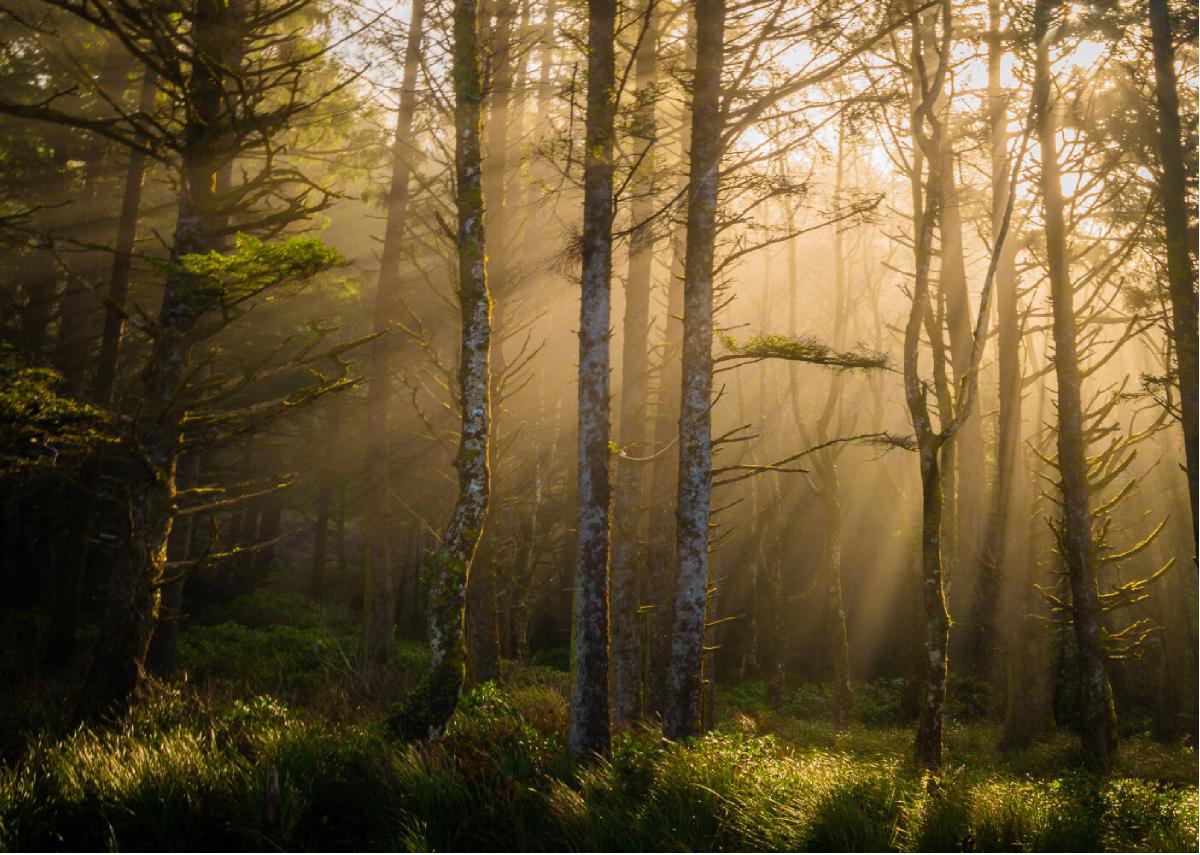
[{"x": 179, "y": 772}]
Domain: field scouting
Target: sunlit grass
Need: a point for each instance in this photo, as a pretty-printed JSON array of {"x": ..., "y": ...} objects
[{"x": 183, "y": 772}]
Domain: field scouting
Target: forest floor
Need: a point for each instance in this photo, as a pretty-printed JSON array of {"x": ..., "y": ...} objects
[{"x": 273, "y": 740}]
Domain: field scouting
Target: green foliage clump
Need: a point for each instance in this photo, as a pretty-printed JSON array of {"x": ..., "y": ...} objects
[
  {"x": 255, "y": 265},
  {"x": 283, "y": 645},
  {"x": 39, "y": 427}
]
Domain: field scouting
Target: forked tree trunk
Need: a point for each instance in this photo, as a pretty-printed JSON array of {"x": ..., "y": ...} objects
[
  {"x": 379, "y": 598},
  {"x": 589, "y": 730},
  {"x": 1098, "y": 731},
  {"x": 449, "y": 564},
  {"x": 681, "y": 710}
]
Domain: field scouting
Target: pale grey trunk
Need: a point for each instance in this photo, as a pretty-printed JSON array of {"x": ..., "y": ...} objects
[
  {"x": 589, "y": 728},
  {"x": 448, "y": 566},
  {"x": 628, "y": 561},
  {"x": 663, "y": 484},
  {"x": 682, "y": 707}
]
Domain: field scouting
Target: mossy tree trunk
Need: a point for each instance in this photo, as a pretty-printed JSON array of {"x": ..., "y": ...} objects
[
  {"x": 448, "y": 565},
  {"x": 483, "y": 620},
  {"x": 681, "y": 712}
]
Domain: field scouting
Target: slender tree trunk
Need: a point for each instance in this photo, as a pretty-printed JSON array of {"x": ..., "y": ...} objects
[
  {"x": 1008, "y": 341},
  {"x": 449, "y": 564},
  {"x": 936, "y": 628},
  {"x": 1180, "y": 272},
  {"x": 836, "y": 639},
  {"x": 660, "y": 558},
  {"x": 589, "y": 728},
  {"x": 320, "y": 542},
  {"x": 628, "y": 508},
  {"x": 379, "y": 599},
  {"x": 682, "y": 707},
  {"x": 966, "y": 496},
  {"x": 1097, "y": 716},
  {"x": 118, "y": 281},
  {"x": 483, "y": 640},
  {"x": 1029, "y": 696},
  {"x": 133, "y": 593}
]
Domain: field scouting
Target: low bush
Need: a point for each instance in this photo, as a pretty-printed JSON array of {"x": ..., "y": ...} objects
[{"x": 182, "y": 772}]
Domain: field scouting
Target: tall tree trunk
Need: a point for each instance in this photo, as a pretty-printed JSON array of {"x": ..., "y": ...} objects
[
  {"x": 1008, "y": 341},
  {"x": 483, "y": 641},
  {"x": 682, "y": 706},
  {"x": 966, "y": 498},
  {"x": 133, "y": 593},
  {"x": 628, "y": 506},
  {"x": 660, "y": 557},
  {"x": 449, "y": 564},
  {"x": 589, "y": 728},
  {"x": 927, "y": 203},
  {"x": 1098, "y": 730},
  {"x": 1180, "y": 272},
  {"x": 379, "y": 599}
]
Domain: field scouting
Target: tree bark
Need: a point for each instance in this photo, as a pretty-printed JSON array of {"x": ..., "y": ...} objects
[
  {"x": 682, "y": 706},
  {"x": 483, "y": 638},
  {"x": 1098, "y": 732},
  {"x": 660, "y": 558},
  {"x": 379, "y": 599},
  {"x": 448, "y": 566},
  {"x": 589, "y": 727},
  {"x": 628, "y": 559},
  {"x": 927, "y": 202},
  {"x": 1180, "y": 272}
]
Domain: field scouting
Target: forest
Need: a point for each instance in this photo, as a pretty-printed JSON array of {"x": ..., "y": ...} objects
[{"x": 603, "y": 425}]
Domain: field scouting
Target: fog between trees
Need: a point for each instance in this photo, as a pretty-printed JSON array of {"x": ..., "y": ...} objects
[{"x": 850, "y": 344}]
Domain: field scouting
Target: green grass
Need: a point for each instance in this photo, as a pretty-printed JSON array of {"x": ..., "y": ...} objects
[{"x": 187, "y": 770}]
